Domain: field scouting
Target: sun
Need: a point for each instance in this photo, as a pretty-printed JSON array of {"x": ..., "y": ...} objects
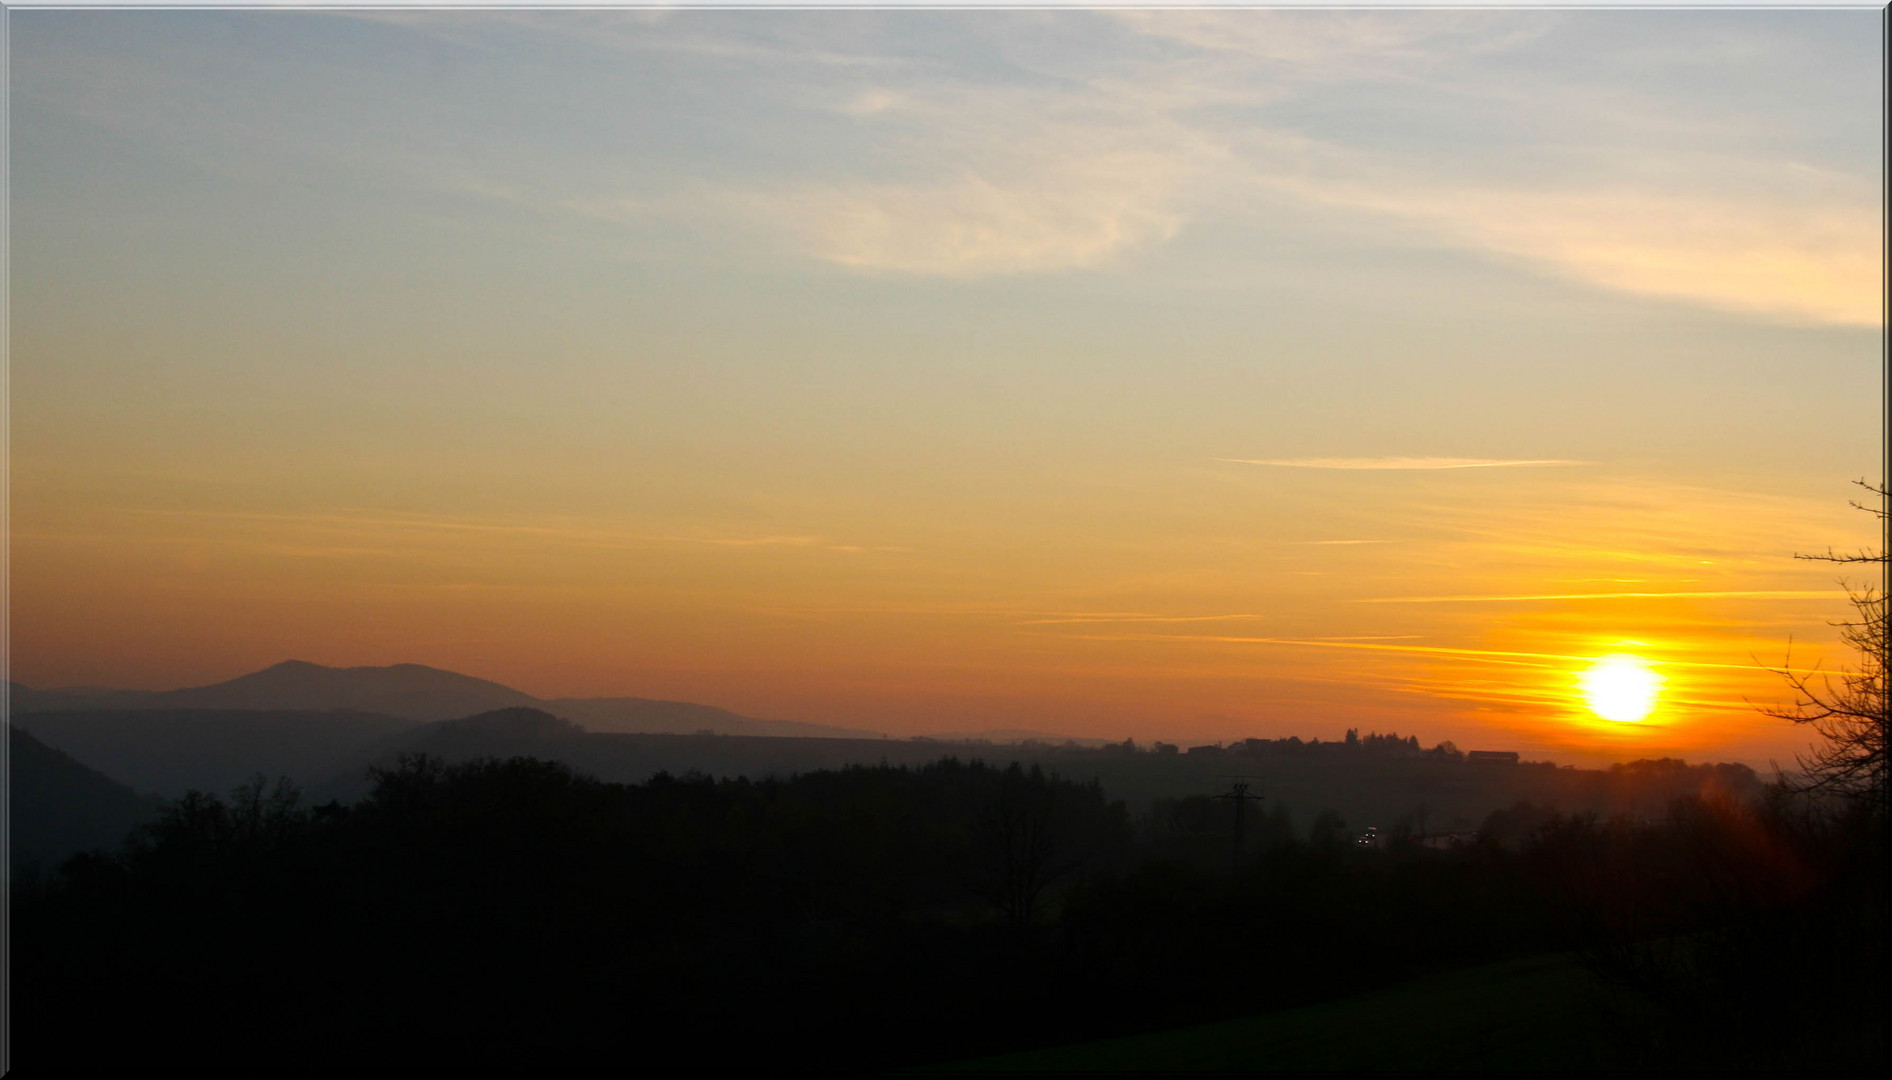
[{"x": 1621, "y": 687}]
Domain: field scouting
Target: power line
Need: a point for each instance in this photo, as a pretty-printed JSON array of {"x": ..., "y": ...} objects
[{"x": 1241, "y": 797}]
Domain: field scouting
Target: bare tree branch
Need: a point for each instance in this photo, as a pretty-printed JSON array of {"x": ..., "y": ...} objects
[{"x": 1847, "y": 709}]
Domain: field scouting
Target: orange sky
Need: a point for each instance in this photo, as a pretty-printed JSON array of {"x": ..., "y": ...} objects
[
  {"x": 1191, "y": 623},
  {"x": 1187, "y": 375}
]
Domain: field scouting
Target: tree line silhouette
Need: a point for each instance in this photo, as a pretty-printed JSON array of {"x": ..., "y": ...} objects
[{"x": 518, "y": 914}]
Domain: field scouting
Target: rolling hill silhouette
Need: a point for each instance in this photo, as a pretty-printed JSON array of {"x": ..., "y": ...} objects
[
  {"x": 171, "y": 751},
  {"x": 501, "y": 733},
  {"x": 641, "y": 716},
  {"x": 309, "y": 722},
  {"x": 630, "y": 758},
  {"x": 416, "y": 693},
  {"x": 409, "y": 691},
  {"x": 60, "y": 808}
]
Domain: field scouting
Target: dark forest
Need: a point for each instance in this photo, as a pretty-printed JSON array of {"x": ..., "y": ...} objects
[{"x": 518, "y": 914}]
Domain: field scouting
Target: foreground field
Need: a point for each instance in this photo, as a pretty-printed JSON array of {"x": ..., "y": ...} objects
[{"x": 1540, "y": 1012}]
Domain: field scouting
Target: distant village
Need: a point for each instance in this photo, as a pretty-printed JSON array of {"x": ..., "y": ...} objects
[{"x": 1391, "y": 745}]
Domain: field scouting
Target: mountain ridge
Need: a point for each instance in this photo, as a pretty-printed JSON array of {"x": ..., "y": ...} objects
[
  {"x": 61, "y": 806},
  {"x": 417, "y": 693}
]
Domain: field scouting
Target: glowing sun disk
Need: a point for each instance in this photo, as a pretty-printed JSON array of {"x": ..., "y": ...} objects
[{"x": 1621, "y": 688}]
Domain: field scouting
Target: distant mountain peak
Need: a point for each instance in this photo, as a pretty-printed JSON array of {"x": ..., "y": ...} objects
[
  {"x": 311, "y": 666},
  {"x": 412, "y": 691},
  {"x": 291, "y": 665},
  {"x": 416, "y": 693}
]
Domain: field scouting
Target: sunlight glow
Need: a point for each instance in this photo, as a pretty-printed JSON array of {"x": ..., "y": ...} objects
[{"x": 1621, "y": 687}]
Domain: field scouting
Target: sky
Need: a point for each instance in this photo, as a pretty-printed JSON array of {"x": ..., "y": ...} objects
[{"x": 1189, "y": 375}]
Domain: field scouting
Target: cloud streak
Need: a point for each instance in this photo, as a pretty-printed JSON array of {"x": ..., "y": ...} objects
[
  {"x": 1809, "y": 255},
  {"x": 1078, "y": 216},
  {"x": 1505, "y": 657},
  {"x": 1730, "y": 594},
  {"x": 1107, "y": 138},
  {"x": 1123, "y": 617},
  {"x": 572, "y": 533},
  {"x": 1126, "y": 156},
  {"x": 1397, "y": 463},
  {"x": 977, "y": 180}
]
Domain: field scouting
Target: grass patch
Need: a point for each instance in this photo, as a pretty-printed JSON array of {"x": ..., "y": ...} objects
[{"x": 1539, "y": 1012}]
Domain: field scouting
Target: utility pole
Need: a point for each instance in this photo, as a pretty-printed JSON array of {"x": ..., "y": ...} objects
[{"x": 1239, "y": 793}]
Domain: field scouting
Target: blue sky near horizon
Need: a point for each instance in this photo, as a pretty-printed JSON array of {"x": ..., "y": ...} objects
[{"x": 925, "y": 370}]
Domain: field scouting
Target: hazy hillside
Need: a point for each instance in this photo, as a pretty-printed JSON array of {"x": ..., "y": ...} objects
[
  {"x": 502, "y": 733},
  {"x": 642, "y": 716},
  {"x": 627, "y": 740},
  {"x": 621, "y": 758},
  {"x": 59, "y": 807},
  {"x": 171, "y": 751},
  {"x": 417, "y": 693},
  {"x": 1007, "y": 736},
  {"x": 411, "y": 691},
  {"x": 1385, "y": 792},
  {"x": 1364, "y": 790}
]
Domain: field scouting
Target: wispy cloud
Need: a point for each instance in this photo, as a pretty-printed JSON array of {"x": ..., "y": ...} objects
[
  {"x": 1810, "y": 256},
  {"x": 1728, "y": 220},
  {"x": 1328, "y": 45},
  {"x": 975, "y": 179},
  {"x": 1077, "y": 215},
  {"x": 1505, "y": 657},
  {"x": 1134, "y": 617},
  {"x": 1106, "y": 137},
  {"x": 414, "y": 528},
  {"x": 1396, "y": 463},
  {"x": 1730, "y": 594},
  {"x": 1492, "y": 656},
  {"x": 745, "y": 541}
]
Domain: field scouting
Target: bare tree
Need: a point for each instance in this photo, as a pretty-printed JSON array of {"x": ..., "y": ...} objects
[
  {"x": 1848, "y": 709},
  {"x": 1021, "y": 847}
]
